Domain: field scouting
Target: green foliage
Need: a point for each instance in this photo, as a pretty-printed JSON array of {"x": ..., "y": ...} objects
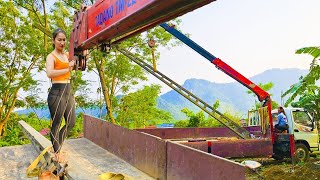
[
  {"x": 20, "y": 53},
  {"x": 14, "y": 135},
  {"x": 274, "y": 105},
  {"x": 310, "y": 100},
  {"x": 302, "y": 87},
  {"x": 216, "y": 104},
  {"x": 181, "y": 124},
  {"x": 305, "y": 93},
  {"x": 233, "y": 116},
  {"x": 210, "y": 122},
  {"x": 76, "y": 4},
  {"x": 118, "y": 74},
  {"x": 138, "y": 109},
  {"x": 266, "y": 87},
  {"x": 313, "y": 51},
  {"x": 34, "y": 101},
  {"x": 199, "y": 119},
  {"x": 77, "y": 130},
  {"x": 194, "y": 119},
  {"x": 62, "y": 17}
]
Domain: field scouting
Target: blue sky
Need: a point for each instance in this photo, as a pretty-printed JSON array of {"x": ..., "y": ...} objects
[{"x": 251, "y": 36}]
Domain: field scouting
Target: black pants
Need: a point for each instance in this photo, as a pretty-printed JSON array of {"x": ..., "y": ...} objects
[
  {"x": 281, "y": 128},
  {"x": 61, "y": 104}
]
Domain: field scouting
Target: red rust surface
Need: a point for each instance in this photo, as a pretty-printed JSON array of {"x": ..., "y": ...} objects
[
  {"x": 144, "y": 151},
  {"x": 187, "y": 163},
  {"x": 109, "y": 19},
  {"x": 235, "y": 148},
  {"x": 159, "y": 158},
  {"x": 179, "y": 133}
]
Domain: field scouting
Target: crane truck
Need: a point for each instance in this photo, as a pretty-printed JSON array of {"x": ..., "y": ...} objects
[{"x": 108, "y": 22}]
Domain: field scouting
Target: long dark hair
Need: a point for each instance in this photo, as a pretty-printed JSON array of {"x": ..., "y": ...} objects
[
  {"x": 282, "y": 110},
  {"x": 56, "y": 32}
]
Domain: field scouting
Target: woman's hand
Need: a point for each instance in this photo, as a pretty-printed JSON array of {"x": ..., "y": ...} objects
[{"x": 71, "y": 64}]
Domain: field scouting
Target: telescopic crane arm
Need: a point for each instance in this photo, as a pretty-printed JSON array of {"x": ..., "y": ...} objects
[{"x": 263, "y": 96}]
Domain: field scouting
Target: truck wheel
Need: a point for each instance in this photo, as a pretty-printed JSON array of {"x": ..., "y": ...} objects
[{"x": 302, "y": 153}]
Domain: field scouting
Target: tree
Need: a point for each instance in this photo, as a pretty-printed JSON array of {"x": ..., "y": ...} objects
[
  {"x": 310, "y": 100},
  {"x": 194, "y": 119},
  {"x": 118, "y": 74},
  {"x": 210, "y": 121},
  {"x": 199, "y": 119},
  {"x": 76, "y": 4},
  {"x": 19, "y": 55},
  {"x": 181, "y": 124},
  {"x": 305, "y": 93},
  {"x": 138, "y": 109},
  {"x": 34, "y": 8}
]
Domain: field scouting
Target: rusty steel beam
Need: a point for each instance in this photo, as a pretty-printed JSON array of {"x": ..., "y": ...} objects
[
  {"x": 188, "y": 163},
  {"x": 235, "y": 148},
  {"x": 180, "y": 133},
  {"x": 159, "y": 158},
  {"x": 144, "y": 151}
]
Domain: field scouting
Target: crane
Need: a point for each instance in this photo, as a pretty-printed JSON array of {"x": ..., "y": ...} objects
[{"x": 108, "y": 22}]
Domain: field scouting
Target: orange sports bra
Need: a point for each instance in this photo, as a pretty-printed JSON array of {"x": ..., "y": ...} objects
[{"x": 58, "y": 64}]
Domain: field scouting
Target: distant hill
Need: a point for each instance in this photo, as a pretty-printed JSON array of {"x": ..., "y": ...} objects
[{"x": 232, "y": 96}]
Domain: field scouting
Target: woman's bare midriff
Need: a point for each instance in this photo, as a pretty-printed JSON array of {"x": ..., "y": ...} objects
[{"x": 60, "y": 82}]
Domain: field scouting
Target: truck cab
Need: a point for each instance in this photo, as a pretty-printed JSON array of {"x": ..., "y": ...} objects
[{"x": 305, "y": 131}]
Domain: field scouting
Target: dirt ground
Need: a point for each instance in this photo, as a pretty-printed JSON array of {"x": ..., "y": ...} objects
[{"x": 285, "y": 170}]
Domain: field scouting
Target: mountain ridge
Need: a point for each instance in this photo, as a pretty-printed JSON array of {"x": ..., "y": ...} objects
[{"x": 233, "y": 96}]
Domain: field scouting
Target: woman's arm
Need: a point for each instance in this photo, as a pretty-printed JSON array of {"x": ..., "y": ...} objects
[{"x": 51, "y": 72}]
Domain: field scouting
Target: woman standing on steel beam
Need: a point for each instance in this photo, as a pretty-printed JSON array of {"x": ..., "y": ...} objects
[{"x": 60, "y": 99}]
